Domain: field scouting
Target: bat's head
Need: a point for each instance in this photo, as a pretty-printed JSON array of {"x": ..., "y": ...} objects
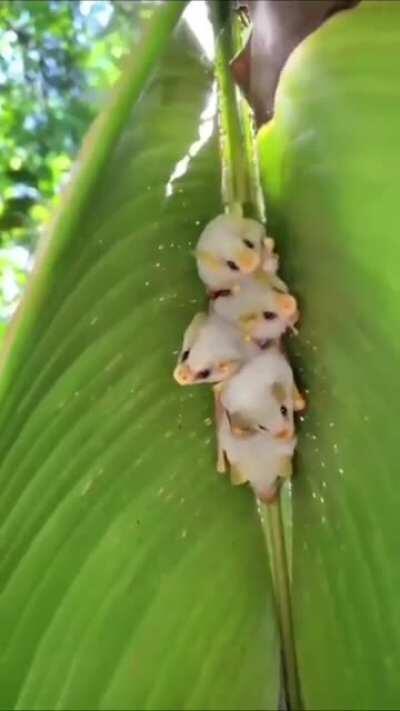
[
  {"x": 259, "y": 399},
  {"x": 275, "y": 417},
  {"x": 271, "y": 316},
  {"x": 212, "y": 351},
  {"x": 229, "y": 249}
]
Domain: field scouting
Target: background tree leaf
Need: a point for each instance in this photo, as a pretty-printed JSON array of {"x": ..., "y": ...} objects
[
  {"x": 331, "y": 169},
  {"x": 132, "y": 576},
  {"x": 57, "y": 59}
]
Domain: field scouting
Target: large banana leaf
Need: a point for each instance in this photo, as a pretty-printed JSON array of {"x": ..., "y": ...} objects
[
  {"x": 131, "y": 575},
  {"x": 331, "y": 164}
]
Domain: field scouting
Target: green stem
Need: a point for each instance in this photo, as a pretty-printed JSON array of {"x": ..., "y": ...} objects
[
  {"x": 94, "y": 156},
  {"x": 256, "y": 206},
  {"x": 283, "y": 602},
  {"x": 241, "y": 187},
  {"x": 234, "y": 170},
  {"x": 241, "y": 190}
]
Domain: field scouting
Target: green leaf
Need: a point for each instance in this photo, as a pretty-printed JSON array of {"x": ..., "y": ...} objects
[
  {"x": 132, "y": 576},
  {"x": 331, "y": 169}
]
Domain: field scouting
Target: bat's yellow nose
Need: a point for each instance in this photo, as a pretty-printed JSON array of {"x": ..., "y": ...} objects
[
  {"x": 287, "y": 304},
  {"x": 285, "y": 435},
  {"x": 248, "y": 261},
  {"x": 183, "y": 375}
]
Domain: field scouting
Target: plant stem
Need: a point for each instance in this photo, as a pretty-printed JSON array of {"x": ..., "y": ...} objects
[
  {"x": 241, "y": 192},
  {"x": 95, "y": 153},
  {"x": 234, "y": 169},
  {"x": 241, "y": 188},
  {"x": 283, "y": 603},
  {"x": 255, "y": 206}
]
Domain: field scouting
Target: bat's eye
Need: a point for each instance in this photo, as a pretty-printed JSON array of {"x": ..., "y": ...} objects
[
  {"x": 261, "y": 427},
  {"x": 232, "y": 265},
  {"x": 269, "y": 315},
  {"x": 248, "y": 244},
  {"x": 202, "y": 374},
  {"x": 284, "y": 410},
  {"x": 185, "y": 356}
]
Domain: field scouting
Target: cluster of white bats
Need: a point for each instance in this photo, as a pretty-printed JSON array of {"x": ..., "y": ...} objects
[{"x": 237, "y": 347}]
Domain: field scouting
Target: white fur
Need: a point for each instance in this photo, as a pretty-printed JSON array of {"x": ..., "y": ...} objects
[
  {"x": 259, "y": 459},
  {"x": 212, "y": 341},
  {"x": 251, "y": 394},
  {"x": 254, "y": 296},
  {"x": 223, "y": 239},
  {"x": 255, "y": 394}
]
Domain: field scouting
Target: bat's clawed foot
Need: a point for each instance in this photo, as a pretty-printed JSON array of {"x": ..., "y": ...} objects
[
  {"x": 299, "y": 400},
  {"x": 299, "y": 403},
  {"x": 221, "y": 461},
  {"x": 237, "y": 476}
]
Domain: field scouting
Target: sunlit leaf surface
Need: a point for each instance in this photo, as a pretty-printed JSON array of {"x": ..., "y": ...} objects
[
  {"x": 132, "y": 576},
  {"x": 332, "y": 171}
]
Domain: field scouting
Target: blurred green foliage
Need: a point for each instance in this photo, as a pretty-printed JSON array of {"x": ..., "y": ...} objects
[{"x": 57, "y": 58}]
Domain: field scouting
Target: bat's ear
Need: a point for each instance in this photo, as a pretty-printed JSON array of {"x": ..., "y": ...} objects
[
  {"x": 278, "y": 391},
  {"x": 208, "y": 260},
  {"x": 226, "y": 368},
  {"x": 193, "y": 329},
  {"x": 269, "y": 244},
  {"x": 240, "y": 427}
]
